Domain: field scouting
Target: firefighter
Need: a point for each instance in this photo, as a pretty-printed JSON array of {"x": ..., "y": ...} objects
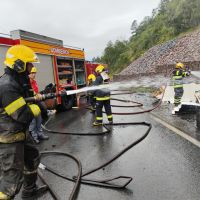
[
  {"x": 102, "y": 97},
  {"x": 18, "y": 159},
  {"x": 91, "y": 79},
  {"x": 91, "y": 97},
  {"x": 178, "y": 74}
]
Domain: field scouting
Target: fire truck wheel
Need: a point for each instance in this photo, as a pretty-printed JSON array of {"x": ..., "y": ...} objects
[
  {"x": 67, "y": 103},
  {"x": 198, "y": 118}
]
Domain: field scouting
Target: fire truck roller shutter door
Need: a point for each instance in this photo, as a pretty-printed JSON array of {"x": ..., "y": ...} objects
[{"x": 45, "y": 72}]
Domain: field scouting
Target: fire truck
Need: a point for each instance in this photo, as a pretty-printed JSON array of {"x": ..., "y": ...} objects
[
  {"x": 61, "y": 66},
  {"x": 91, "y": 66}
]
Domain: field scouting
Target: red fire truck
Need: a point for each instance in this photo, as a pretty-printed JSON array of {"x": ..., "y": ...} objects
[
  {"x": 60, "y": 65},
  {"x": 91, "y": 66}
]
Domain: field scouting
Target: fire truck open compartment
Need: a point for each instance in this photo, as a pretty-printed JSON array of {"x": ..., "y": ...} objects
[
  {"x": 71, "y": 71},
  {"x": 65, "y": 71},
  {"x": 80, "y": 73}
]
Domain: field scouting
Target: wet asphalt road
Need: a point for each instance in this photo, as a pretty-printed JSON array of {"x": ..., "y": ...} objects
[{"x": 164, "y": 166}]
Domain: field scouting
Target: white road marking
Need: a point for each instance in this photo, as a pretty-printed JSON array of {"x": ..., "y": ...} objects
[{"x": 177, "y": 131}]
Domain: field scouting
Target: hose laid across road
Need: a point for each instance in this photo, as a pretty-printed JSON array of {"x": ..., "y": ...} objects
[
  {"x": 101, "y": 183},
  {"x": 107, "y": 182},
  {"x": 77, "y": 181}
]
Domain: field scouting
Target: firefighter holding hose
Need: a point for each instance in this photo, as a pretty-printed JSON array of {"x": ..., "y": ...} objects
[
  {"x": 102, "y": 96},
  {"x": 18, "y": 160},
  {"x": 178, "y": 74}
]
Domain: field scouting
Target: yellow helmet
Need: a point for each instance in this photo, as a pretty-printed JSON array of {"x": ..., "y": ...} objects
[
  {"x": 18, "y": 55},
  {"x": 180, "y": 65},
  {"x": 34, "y": 70},
  {"x": 91, "y": 77},
  {"x": 99, "y": 68}
]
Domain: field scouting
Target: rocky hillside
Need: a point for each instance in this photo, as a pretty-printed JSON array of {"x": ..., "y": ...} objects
[{"x": 161, "y": 58}]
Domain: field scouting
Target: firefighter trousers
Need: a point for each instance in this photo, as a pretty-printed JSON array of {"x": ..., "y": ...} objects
[
  {"x": 99, "y": 110},
  {"x": 18, "y": 164},
  {"x": 178, "y": 95},
  {"x": 92, "y": 101}
]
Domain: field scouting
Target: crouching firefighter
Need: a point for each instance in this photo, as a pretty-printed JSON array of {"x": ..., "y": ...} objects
[
  {"x": 102, "y": 97},
  {"x": 18, "y": 160},
  {"x": 178, "y": 74}
]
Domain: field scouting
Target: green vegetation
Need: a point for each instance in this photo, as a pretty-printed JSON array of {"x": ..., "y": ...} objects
[{"x": 170, "y": 19}]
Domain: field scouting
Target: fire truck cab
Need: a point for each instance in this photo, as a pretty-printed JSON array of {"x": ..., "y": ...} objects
[{"x": 64, "y": 67}]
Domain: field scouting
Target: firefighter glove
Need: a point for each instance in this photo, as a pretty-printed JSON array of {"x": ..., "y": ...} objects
[{"x": 39, "y": 97}]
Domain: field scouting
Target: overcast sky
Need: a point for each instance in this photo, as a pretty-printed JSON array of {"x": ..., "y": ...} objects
[{"x": 89, "y": 24}]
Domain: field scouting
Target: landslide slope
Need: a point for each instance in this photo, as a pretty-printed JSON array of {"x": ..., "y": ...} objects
[{"x": 157, "y": 59}]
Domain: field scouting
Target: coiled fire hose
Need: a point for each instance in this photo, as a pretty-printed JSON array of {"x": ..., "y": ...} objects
[
  {"x": 102, "y": 183},
  {"x": 78, "y": 179}
]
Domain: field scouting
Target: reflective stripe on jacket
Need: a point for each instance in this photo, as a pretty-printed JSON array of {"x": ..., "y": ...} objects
[
  {"x": 15, "y": 114},
  {"x": 178, "y": 75},
  {"x": 102, "y": 98}
]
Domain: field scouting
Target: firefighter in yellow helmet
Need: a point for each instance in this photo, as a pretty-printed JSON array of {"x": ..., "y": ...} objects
[
  {"x": 91, "y": 98},
  {"x": 91, "y": 79},
  {"x": 178, "y": 74},
  {"x": 18, "y": 160},
  {"x": 102, "y": 97}
]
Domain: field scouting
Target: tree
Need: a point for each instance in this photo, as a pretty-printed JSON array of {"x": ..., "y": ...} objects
[
  {"x": 163, "y": 6},
  {"x": 171, "y": 18},
  {"x": 96, "y": 59},
  {"x": 134, "y": 27}
]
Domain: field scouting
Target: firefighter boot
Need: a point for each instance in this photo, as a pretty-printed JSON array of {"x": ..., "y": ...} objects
[
  {"x": 4, "y": 196},
  {"x": 92, "y": 110},
  {"x": 95, "y": 123},
  {"x": 31, "y": 190},
  {"x": 175, "y": 109},
  {"x": 34, "y": 192}
]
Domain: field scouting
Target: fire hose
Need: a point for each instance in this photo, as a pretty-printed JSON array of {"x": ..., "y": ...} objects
[
  {"x": 101, "y": 183},
  {"x": 78, "y": 179}
]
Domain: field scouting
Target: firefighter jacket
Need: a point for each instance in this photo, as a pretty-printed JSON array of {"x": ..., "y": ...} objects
[
  {"x": 101, "y": 94},
  {"x": 15, "y": 114},
  {"x": 178, "y": 75}
]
